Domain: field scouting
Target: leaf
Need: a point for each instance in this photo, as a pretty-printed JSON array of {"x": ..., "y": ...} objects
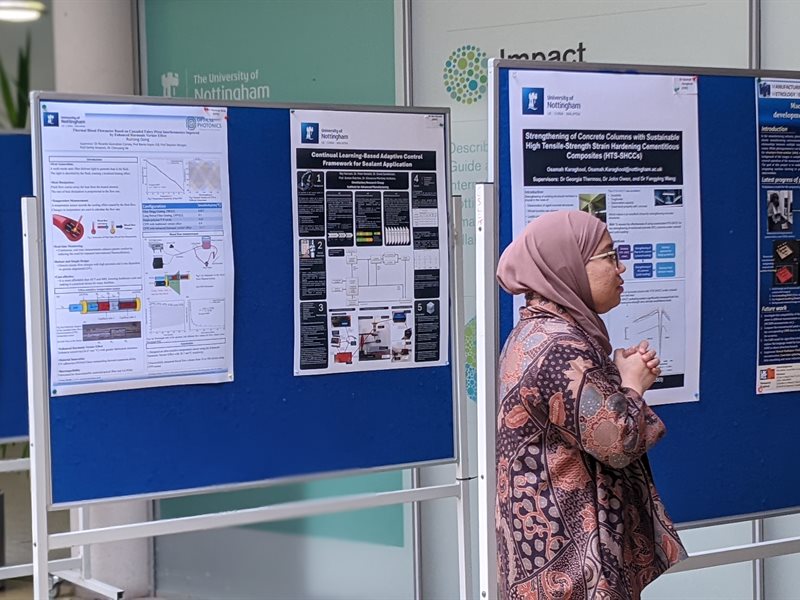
[
  {"x": 23, "y": 83},
  {"x": 8, "y": 101}
]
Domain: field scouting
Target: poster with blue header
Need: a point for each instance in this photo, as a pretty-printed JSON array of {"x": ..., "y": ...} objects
[{"x": 779, "y": 248}]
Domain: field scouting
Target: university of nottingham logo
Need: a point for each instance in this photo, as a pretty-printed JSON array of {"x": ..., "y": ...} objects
[
  {"x": 532, "y": 101},
  {"x": 169, "y": 84},
  {"x": 466, "y": 75},
  {"x": 309, "y": 133}
]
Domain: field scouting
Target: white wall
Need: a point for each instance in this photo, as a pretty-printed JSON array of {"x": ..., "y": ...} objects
[{"x": 94, "y": 46}]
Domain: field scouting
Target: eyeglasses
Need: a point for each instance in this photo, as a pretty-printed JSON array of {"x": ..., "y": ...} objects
[{"x": 610, "y": 254}]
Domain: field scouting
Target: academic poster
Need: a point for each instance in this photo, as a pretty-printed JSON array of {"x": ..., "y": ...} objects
[
  {"x": 138, "y": 247},
  {"x": 779, "y": 249},
  {"x": 371, "y": 241},
  {"x": 625, "y": 149}
]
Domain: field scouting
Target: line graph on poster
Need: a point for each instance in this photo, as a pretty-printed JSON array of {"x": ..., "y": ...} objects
[
  {"x": 653, "y": 326},
  {"x": 179, "y": 178},
  {"x": 658, "y": 325},
  {"x": 207, "y": 313},
  {"x": 166, "y": 317},
  {"x": 653, "y": 313},
  {"x": 198, "y": 315}
]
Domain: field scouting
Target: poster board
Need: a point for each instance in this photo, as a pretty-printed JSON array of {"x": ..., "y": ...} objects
[
  {"x": 725, "y": 455},
  {"x": 266, "y": 425},
  {"x": 15, "y": 168}
]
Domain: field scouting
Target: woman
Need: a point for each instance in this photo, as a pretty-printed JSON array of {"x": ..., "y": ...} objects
[{"x": 578, "y": 515}]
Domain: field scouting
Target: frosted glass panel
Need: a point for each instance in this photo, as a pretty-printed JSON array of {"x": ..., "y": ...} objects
[
  {"x": 246, "y": 564},
  {"x": 782, "y": 573},
  {"x": 730, "y": 582}
]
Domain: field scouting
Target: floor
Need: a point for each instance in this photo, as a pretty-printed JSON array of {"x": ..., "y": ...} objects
[{"x": 17, "y": 589}]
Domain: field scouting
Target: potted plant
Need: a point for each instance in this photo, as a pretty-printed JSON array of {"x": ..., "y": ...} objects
[{"x": 14, "y": 94}]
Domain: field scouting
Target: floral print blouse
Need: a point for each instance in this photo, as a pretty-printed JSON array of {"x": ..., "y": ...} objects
[{"x": 577, "y": 513}]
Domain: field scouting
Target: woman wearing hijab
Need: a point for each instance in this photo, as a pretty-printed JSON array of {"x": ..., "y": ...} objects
[{"x": 578, "y": 516}]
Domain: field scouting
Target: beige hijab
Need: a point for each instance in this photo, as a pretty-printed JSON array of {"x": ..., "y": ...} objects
[{"x": 549, "y": 258}]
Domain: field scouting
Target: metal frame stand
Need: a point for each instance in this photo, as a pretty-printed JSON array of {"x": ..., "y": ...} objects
[
  {"x": 18, "y": 465},
  {"x": 78, "y": 570},
  {"x": 487, "y": 353}
]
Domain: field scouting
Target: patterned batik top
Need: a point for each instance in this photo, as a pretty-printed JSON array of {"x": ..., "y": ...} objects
[{"x": 577, "y": 513}]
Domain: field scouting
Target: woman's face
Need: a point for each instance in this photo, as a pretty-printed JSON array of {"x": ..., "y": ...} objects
[{"x": 604, "y": 277}]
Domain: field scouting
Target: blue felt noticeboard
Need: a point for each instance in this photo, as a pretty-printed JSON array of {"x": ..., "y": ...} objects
[
  {"x": 267, "y": 424},
  {"x": 731, "y": 453},
  {"x": 16, "y": 180}
]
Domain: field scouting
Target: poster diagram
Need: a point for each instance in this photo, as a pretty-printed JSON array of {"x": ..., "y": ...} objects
[
  {"x": 371, "y": 235},
  {"x": 138, "y": 246},
  {"x": 652, "y": 326},
  {"x": 373, "y": 277}
]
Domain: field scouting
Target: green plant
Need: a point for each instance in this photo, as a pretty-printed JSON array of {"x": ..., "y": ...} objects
[{"x": 16, "y": 105}]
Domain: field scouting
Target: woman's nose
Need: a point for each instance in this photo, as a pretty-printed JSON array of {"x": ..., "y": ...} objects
[{"x": 621, "y": 268}]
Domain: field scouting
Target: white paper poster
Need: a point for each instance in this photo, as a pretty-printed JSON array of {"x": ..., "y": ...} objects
[
  {"x": 138, "y": 245},
  {"x": 624, "y": 148},
  {"x": 371, "y": 241}
]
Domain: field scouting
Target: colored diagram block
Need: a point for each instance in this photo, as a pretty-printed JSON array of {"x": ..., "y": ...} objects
[
  {"x": 643, "y": 251},
  {"x": 666, "y": 269},
  {"x": 173, "y": 282},
  {"x": 665, "y": 250}
]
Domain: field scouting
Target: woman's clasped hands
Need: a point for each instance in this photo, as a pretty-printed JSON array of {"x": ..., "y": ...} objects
[{"x": 638, "y": 366}]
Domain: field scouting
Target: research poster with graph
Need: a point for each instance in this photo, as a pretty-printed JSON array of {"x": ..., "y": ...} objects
[
  {"x": 625, "y": 149},
  {"x": 138, "y": 247},
  {"x": 779, "y": 248},
  {"x": 371, "y": 241}
]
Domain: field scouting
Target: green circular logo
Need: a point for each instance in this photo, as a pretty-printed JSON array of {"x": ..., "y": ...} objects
[{"x": 465, "y": 74}]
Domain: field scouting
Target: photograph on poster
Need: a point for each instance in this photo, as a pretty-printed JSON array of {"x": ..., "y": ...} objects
[
  {"x": 779, "y": 210},
  {"x": 671, "y": 197},
  {"x": 594, "y": 204}
]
